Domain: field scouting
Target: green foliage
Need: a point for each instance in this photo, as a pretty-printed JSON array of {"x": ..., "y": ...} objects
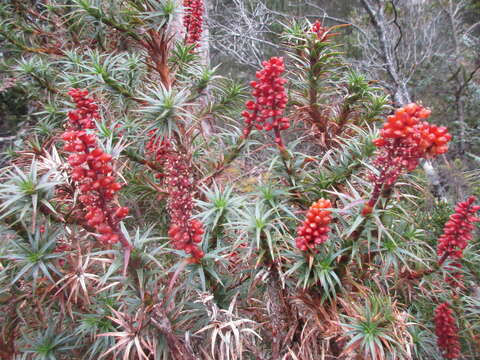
[
  {"x": 330, "y": 93},
  {"x": 32, "y": 258},
  {"x": 23, "y": 193},
  {"x": 372, "y": 330},
  {"x": 48, "y": 345}
]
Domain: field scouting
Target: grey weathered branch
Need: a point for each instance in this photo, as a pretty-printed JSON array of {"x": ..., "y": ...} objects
[{"x": 377, "y": 16}]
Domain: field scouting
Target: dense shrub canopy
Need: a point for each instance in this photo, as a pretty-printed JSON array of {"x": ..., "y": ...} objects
[{"x": 153, "y": 208}]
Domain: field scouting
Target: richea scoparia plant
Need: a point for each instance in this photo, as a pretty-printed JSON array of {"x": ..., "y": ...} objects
[{"x": 153, "y": 209}]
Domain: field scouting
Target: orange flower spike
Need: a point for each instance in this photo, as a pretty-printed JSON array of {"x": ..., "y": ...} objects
[{"x": 405, "y": 140}]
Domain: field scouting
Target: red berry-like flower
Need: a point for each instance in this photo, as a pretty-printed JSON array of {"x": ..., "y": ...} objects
[
  {"x": 403, "y": 142},
  {"x": 91, "y": 170},
  {"x": 457, "y": 232},
  {"x": 266, "y": 112},
  {"x": 314, "y": 230},
  {"x": 447, "y": 332},
  {"x": 193, "y": 20}
]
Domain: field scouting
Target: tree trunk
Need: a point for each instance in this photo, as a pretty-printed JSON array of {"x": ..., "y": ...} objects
[{"x": 459, "y": 85}]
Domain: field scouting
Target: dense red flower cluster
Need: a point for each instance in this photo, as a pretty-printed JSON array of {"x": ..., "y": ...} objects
[
  {"x": 447, "y": 332},
  {"x": 457, "y": 232},
  {"x": 405, "y": 127},
  {"x": 403, "y": 142},
  {"x": 266, "y": 112},
  {"x": 185, "y": 233},
  {"x": 193, "y": 20},
  {"x": 86, "y": 112},
  {"x": 314, "y": 230},
  {"x": 92, "y": 170}
]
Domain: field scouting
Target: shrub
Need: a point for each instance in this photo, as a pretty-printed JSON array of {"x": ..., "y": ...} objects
[{"x": 155, "y": 219}]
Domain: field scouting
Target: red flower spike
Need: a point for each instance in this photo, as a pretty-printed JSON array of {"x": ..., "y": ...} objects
[
  {"x": 405, "y": 128},
  {"x": 91, "y": 171},
  {"x": 447, "y": 332},
  {"x": 193, "y": 20},
  {"x": 314, "y": 230},
  {"x": 266, "y": 112},
  {"x": 185, "y": 233},
  {"x": 457, "y": 232},
  {"x": 405, "y": 140}
]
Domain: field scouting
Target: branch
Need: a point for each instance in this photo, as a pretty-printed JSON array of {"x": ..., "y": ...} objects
[
  {"x": 468, "y": 79},
  {"x": 97, "y": 14},
  {"x": 401, "y": 94}
]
